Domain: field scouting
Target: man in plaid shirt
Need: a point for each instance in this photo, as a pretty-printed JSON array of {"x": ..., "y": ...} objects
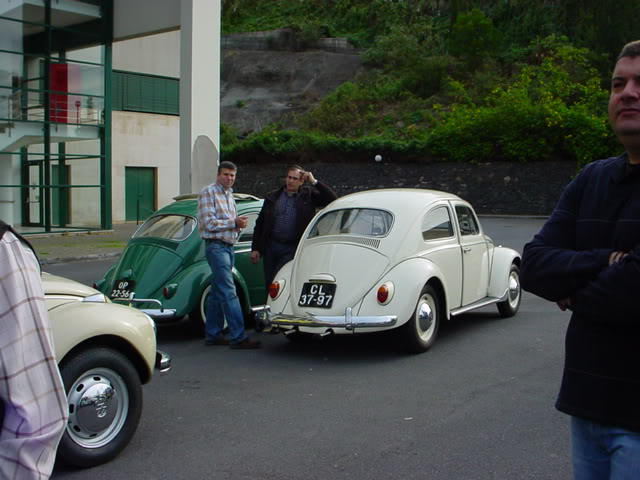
[
  {"x": 219, "y": 226},
  {"x": 31, "y": 391}
]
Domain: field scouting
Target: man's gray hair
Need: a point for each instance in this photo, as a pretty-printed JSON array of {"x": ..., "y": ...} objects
[{"x": 631, "y": 49}]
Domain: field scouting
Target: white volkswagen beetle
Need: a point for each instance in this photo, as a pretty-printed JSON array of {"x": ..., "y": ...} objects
[
  {"x": 404, "y": 259},
  {"x": 105, "y": 353}
]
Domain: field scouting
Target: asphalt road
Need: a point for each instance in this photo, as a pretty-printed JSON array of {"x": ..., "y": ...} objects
[{"x": 478, "y": 405}]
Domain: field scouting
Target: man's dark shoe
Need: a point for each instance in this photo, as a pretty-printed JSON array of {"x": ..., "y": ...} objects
[
  {"x": 217, "y": 341},
  {"x": 246, "y": 343}
]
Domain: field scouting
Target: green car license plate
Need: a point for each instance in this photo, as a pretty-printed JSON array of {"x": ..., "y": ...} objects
[
  {"x": 317, "y": 295},
  {"x": 122, "y": 289}
]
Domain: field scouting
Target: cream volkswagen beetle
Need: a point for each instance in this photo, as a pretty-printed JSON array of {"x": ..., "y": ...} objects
[
  {"x": 404, "y": 259},
  {"x": 105, "y": 353}
]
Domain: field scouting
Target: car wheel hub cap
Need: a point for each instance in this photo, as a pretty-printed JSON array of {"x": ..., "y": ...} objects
[
  {"x": 425, "y": 317},
  {"x": 98, "y": 406},
  {"x": 514, "y": 289}
]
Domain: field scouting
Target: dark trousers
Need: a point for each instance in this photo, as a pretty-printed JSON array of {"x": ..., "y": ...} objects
[{"x": 275, "y": 257}]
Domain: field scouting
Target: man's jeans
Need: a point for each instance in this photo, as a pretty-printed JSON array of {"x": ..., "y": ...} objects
[
  {"x": 276, "y": 256},
  {"x": 604, "y": 453},
  {"x": 223, "y": 300}
]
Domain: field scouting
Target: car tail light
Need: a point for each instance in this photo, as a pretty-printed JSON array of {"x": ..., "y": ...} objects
[
  {"x": 385, "y": 293},
  {"x": 274, "y": 290}
]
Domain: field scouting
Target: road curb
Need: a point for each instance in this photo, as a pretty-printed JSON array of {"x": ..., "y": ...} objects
[{"x": 78, "y": 258}]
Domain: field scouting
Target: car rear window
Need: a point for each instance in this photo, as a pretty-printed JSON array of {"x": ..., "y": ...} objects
[
  {"x": 170, "y": 227},
  {"x": 353, "y": 221}
]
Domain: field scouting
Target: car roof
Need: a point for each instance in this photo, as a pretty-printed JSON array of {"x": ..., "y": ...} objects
[
  {"x": 407, "y": 200},
  {"x": 188, "y": 204}
]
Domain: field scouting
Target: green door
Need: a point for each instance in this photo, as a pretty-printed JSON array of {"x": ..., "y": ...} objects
[{"x": 139, "y": 193}]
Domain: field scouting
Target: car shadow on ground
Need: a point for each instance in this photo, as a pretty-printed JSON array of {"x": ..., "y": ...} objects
[{"x": 363, "y": 347}]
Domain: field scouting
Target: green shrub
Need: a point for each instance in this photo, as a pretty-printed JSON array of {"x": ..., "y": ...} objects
[{"x": 473, "y": 37}]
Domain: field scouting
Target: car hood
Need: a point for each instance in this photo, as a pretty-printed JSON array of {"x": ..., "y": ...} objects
[
  {"x": 150, "y": 266},
  {"x": 54, "y": 285},
  {"x": 353, "y": 268}
]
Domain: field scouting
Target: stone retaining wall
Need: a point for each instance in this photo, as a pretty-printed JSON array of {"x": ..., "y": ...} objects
[{"x": 492, "y": 188}]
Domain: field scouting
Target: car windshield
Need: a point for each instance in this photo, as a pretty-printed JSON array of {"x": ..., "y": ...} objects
[
  {"x": 353, "y": 221},
  {"x": 170, "y": 227}
]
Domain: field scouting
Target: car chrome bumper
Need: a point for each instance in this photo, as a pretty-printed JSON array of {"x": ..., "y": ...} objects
[
  {"x": 160, "y": 313},
  {"x": 347, "y": 321},
  {"x": 163, "y": 361}
]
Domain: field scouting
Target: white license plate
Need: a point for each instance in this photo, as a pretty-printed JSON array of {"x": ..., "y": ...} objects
[
  {"x": 122, "y": 289},
  {"x": 318, "y": 295}
]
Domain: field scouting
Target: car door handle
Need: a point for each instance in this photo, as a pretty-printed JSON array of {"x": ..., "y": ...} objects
[{"x": 466, "y": 249}]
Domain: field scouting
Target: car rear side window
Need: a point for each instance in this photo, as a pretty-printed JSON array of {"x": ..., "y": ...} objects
[
  {"x": 437, "y": 224},
  {"x": 353, "y": 221},
  {"x": 170, "y": 227}
]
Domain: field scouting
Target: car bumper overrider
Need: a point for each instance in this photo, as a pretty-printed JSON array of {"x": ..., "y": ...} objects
[
  {"x": 163, "y": 361},
  {"x": 266, "y": 318}
]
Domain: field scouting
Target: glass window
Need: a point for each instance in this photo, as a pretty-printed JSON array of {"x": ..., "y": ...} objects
[
  {"x": 467, "y": 221},
  {"x": 437, "y": 224},
  {"x": 353, "y": 221},
  {"x": 170, "y": 227}
]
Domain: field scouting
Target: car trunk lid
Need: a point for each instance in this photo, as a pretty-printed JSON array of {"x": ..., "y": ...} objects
[
  {"x": 144, "y": 268},
  {"x": 351, "y": 267}
]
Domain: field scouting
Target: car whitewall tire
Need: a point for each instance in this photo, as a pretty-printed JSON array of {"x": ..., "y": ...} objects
[{"x": 510, "y": 306}]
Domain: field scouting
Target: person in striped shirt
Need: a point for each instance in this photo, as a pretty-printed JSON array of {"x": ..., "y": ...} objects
[{"x": 219, "y": 226}]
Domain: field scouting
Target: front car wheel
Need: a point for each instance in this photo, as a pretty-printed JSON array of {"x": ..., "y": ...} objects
[
  {"x": 510, "y": 306},
  {"x": 104, "y": 395}
]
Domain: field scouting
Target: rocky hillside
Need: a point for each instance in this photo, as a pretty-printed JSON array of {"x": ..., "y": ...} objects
[{"x": 260, "y": 86}]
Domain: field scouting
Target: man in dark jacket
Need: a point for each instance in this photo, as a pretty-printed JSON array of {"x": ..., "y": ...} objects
[
  {"x": 587, "y": 259},
  {"x": 284, "y": 216}
]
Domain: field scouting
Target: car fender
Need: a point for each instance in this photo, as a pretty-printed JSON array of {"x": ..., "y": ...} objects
[
  {"x": 104, "y": 285},
  {"x": 408, "y": 278},
  {"x": 191, "y": 283},
  {"x": 77, "y": 322},
  {"x": 281, "y": 304},
  {"x": 503, "y": 258},
  {"x": 242, "y": 290}
]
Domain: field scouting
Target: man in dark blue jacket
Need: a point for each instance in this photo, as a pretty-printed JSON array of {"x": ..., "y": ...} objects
[
  {"x": 587, "y": 259},
  {"x": 284, "y": 216}
]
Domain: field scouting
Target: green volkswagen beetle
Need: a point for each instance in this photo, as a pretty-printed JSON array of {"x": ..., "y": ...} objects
[{"x": 164, "y": 264}]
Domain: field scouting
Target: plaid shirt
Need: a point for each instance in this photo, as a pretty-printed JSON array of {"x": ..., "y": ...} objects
[
  {"x": 217, "y": 214},
  {"x": 31, "y": 389}
]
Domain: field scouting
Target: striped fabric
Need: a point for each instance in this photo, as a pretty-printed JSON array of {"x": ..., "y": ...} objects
[
  {"x": 31, "y": 389},
  {"x": 217, "y": 214}
]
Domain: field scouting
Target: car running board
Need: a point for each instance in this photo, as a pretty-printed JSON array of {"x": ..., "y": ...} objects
[{"x": 472, "y": 306}]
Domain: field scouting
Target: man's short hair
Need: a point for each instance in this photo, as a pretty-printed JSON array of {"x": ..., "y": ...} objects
[
  {"x": 631, "y": 49},
  {"x": 294, "y": 167},
  {"x": 226, "y": 164}
]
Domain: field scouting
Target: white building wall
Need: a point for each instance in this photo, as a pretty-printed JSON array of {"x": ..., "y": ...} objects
[
  {"x": 155, "y": 55},
  {"x": 144, "y": 140}
]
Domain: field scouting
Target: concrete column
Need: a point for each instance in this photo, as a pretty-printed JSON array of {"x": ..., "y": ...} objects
[{"x": 199, "y": 93}]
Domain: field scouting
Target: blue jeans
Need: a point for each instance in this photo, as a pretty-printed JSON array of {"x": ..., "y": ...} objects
[
  {"x": 223, "y": 300},
  {"x": 276, "y": 256},
  {"x": 604, "y": 453}
]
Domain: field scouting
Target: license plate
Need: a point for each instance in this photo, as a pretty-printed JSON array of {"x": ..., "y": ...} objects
[
  {"x": 122, "y": 289},
  {"x": 317, "y": 295}
]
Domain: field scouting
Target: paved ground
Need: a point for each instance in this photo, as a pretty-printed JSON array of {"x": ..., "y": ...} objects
[{"x": 61, "y": 248}]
